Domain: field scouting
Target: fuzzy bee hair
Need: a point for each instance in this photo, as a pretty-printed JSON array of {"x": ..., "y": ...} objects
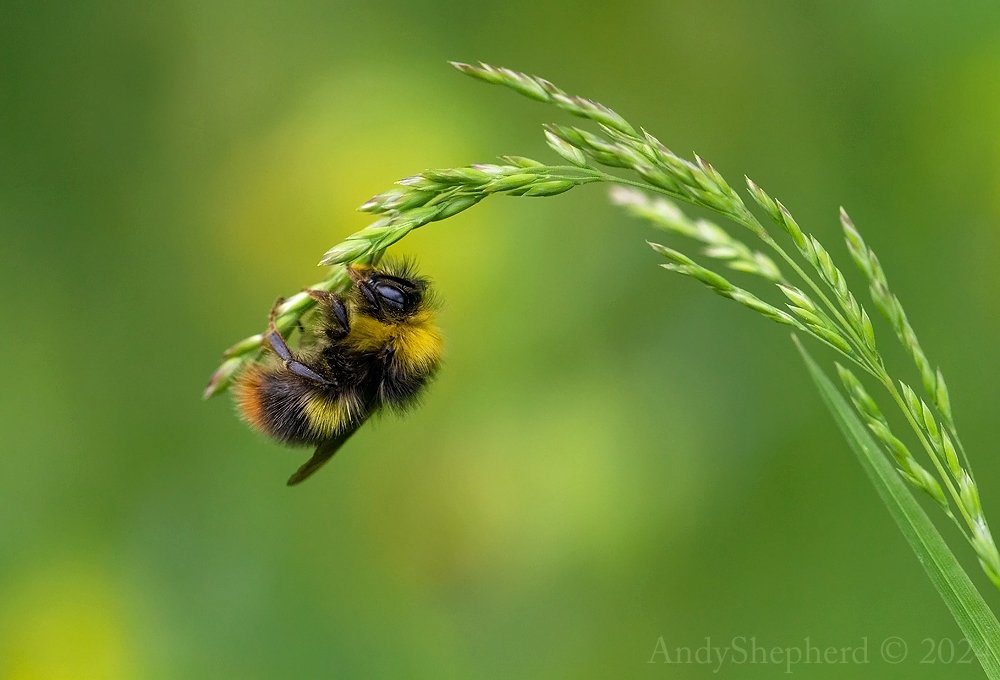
[{"x": 377, "y": 347}]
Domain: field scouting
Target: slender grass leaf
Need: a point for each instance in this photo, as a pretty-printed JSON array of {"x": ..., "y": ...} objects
[{"x": 971, "y": 612}]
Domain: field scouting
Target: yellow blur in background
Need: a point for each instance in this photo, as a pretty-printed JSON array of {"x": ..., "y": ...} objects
[{"x": 610, "y": 455}]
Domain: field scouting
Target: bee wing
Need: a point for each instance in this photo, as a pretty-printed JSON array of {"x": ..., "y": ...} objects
[{"x": 323, "y": 453}]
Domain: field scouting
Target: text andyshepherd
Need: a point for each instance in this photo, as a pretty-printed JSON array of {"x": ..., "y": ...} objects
[{"x": 743, "y": 650}]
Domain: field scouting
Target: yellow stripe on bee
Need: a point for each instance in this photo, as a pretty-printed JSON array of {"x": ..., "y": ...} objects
[
  {"x": 416, "y": 342},
  {"x": 370, "y": 335},
  {"x": 328, "y": 417}
]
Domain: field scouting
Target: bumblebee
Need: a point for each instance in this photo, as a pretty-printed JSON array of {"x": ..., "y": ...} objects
[{"x": 377, "y": 347}]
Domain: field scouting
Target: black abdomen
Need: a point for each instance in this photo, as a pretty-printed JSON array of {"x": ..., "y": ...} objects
[{"x": 274, "y": 401}]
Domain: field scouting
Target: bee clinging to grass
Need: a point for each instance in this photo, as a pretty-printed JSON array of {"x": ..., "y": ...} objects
[{"x": 377, "y": 347}]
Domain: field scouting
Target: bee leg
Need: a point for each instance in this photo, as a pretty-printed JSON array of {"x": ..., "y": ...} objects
[
  {"x": 279, "y": 347},
  {"x": 337, "y": 309},
  {"x": 272, "y": 316}
]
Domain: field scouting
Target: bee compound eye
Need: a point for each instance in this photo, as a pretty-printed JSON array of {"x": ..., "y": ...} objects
[{"x": 391, "y": 295}]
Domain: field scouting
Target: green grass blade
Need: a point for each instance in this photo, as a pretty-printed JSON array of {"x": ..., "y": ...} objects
[{"x": 971, "y": 612}]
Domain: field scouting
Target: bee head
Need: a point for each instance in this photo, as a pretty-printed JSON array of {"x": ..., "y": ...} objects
[{"x": 392, "y": 294}]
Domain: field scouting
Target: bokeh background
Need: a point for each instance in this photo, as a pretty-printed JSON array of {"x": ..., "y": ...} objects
[{"x": 610, "y": 456}]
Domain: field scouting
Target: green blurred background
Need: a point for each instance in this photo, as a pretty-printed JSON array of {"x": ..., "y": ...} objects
[{"x": 611, "y": 455}]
